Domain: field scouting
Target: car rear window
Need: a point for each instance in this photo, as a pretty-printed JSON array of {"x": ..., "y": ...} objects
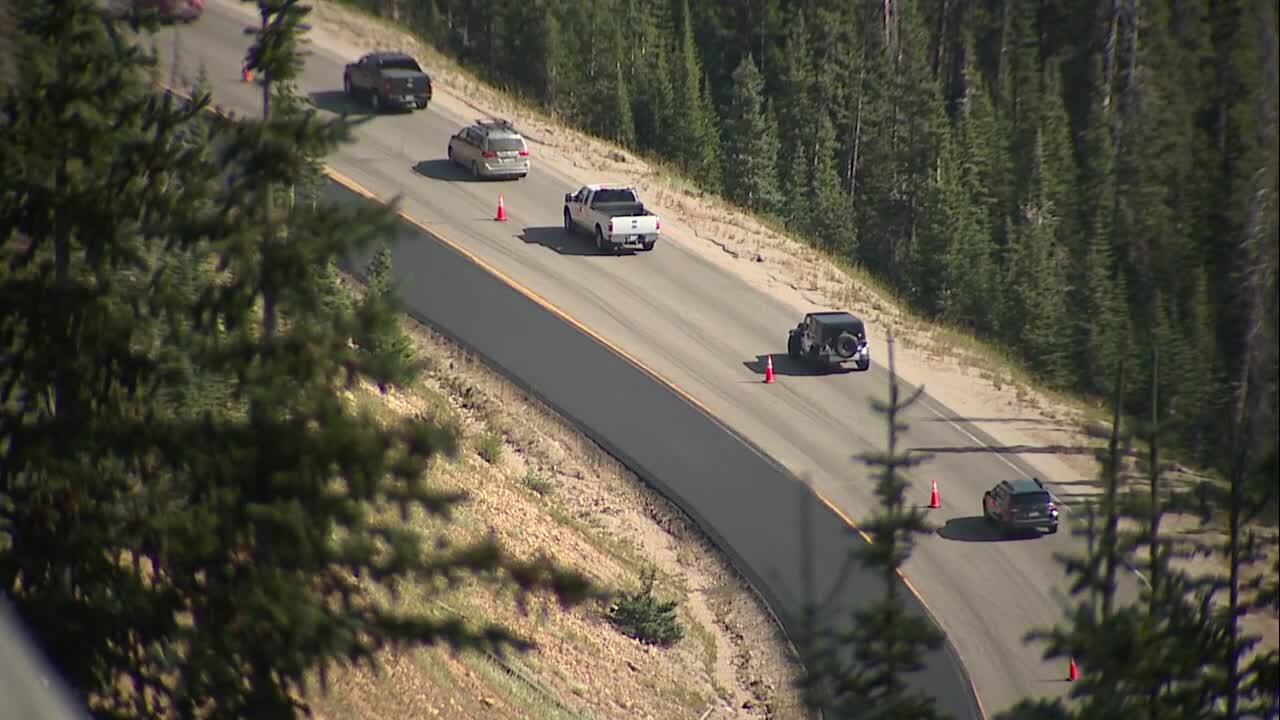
[
  {"x": 612, "y": 196},
  {"x": 1034, "y": 498},
  {"x": 505, "y": 144},
  {"x": 400, "y": 64}
]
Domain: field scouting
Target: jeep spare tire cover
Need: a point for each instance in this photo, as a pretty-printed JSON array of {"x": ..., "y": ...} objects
[{"x": 846, "y": 345}]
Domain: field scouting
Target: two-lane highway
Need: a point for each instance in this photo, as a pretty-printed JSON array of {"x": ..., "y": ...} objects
[{"x": 703, "y": 330}]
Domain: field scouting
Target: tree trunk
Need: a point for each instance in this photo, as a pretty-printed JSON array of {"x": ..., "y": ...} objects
[
  {"x": 1109, "y": 55},
  {"x": 852, "y": 168},
  {"x": 268, "y": 217}
]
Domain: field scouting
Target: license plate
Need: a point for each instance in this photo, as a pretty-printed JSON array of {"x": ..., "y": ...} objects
[{"x": 1033, "y": 514}]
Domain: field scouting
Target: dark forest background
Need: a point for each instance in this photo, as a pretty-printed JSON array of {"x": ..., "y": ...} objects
[{"x": 1075, "y": 181}]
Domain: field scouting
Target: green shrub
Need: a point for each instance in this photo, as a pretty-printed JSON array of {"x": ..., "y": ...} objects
[
  {"x": 538, "y": 483},
  {"x": 489, "y": 446},
  {"x": 642, "y": 616}
]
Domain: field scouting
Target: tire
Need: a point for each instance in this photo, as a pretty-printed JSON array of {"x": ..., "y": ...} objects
[
  {"x": 448, "y": 151},
  {"x": 648, "y": 247},
  {"x": 568, "y": 222},
  {"x": 985, "y": 515},
  {"x": 375, "y": 100},
  {"x": 475, "y": 170},
  {"x": 846, "y": 345},
  {"x": 814, "y": 355},
  {"x": 1053, "y": 529},
  {"x": 793, "y": 346},
  {"x": 346, "y": 85},
  {"x": 863, "y": 365},
  {"x": 599, "y": 239}
]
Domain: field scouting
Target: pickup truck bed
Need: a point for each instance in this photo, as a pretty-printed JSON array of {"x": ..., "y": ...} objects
[{"x": 615, "y": 224}]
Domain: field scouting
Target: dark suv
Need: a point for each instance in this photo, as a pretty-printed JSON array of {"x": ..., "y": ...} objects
[
  {"x": 823, "y": 339},
  {"x": 1020, "y": 505}
]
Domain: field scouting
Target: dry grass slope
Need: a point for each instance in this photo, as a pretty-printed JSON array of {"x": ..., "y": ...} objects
[{"x": 540, "y": 486}]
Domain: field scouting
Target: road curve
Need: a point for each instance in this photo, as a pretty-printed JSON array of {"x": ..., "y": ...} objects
[
  {"x": 704, "y": 331},
  {"x": 686, "y": 454}
]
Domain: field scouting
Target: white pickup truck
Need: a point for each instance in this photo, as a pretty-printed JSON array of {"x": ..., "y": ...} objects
[{"x": 614, "y": 215}]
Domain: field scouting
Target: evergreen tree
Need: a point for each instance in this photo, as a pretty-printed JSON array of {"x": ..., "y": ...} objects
[
  {"x": 1103, "y": 325},
  {"x": 751, "y": 143},
  {"x": 694, "y": 135},
  {"x": 621, "y": 127},
  {"x": 830, "y": 219},
  {"x": 389, "y": 349},
  {"x": 100, "y": 209},
  {"x": 795, "y": 122},
  {"x": 971, "y": 289},
  {"x": 945, "y": 235},
  {"x": 1060, "y": 174},
  {"x": 862, "y": 673},
  {"x": 653, "y": 96},
  {"x": 196, "y": 558},
  {"x": 653, "y": 102},
  {"x": 1036, "y": 310}
]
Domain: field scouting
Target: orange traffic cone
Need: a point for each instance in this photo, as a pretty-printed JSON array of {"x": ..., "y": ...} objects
[
  {"x": 1073, "y": 672},
  {"x": 502, "y": 211},
  {"x": 768, "y": 371},
  {"x": 935, "y": 501}
]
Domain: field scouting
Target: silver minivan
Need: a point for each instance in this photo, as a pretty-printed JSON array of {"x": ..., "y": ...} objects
[{"x": 490, "y": 148}]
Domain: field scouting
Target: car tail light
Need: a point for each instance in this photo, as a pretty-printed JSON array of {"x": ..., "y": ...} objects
[
  {"x": 488, "y": 154},
  {"x": 657, "y": 224},
  {"x": 524, "y": 153},
  {"x": 610, "y": 227}
]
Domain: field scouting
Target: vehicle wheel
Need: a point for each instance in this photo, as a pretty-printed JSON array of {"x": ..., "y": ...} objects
[
  {"x": 1053, "y": 529},
  {"x": 376, "y": 101},
  {"x": 448, "y": 151},
  {"x": 846, "y": 345},
  {"x": 814, "y": 355},
  {"x": 599, "y": 239},
  {"x": 475, "y": 169},
  {"x": 346, "y": 85},
  {"x": 649, "y": 246},
  {"x": 793, "y": 346},
  {"x": 985, "y": 515},
  {"x": 568, "y": 222},
  {"x": 863, "y": 365},
  {"x": 422, "y": 105}
]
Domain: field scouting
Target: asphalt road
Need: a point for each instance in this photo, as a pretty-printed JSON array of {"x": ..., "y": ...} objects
[
  {"x": 675, "y": 447},
  {"x": 706, "y": 332},
  {"x": 32, "y": 689}
]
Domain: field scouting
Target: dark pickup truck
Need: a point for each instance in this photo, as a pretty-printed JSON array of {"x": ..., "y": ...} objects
[{"x": 387, "y": 80}]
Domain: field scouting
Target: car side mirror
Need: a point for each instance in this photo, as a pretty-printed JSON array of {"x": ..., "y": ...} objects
[{"x": 568, "y": 197}]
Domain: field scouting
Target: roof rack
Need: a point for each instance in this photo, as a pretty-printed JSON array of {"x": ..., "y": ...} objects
[{"x": 501, "y": 123}]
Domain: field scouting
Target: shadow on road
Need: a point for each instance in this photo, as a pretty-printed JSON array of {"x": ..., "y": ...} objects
[
  {"x": 977, "y": 529},
  {"x": 558, "y": 239},
  {"x": 1013, "y": 450},
  {"x": 1033, "y": 422},
  {"x": 337, "y": 102},
  {"x": 444, "y": 169},
  {"x": 784, "y": 365}
]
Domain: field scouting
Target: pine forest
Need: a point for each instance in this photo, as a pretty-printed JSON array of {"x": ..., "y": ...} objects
[{"x": 1072, "y": 180}]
